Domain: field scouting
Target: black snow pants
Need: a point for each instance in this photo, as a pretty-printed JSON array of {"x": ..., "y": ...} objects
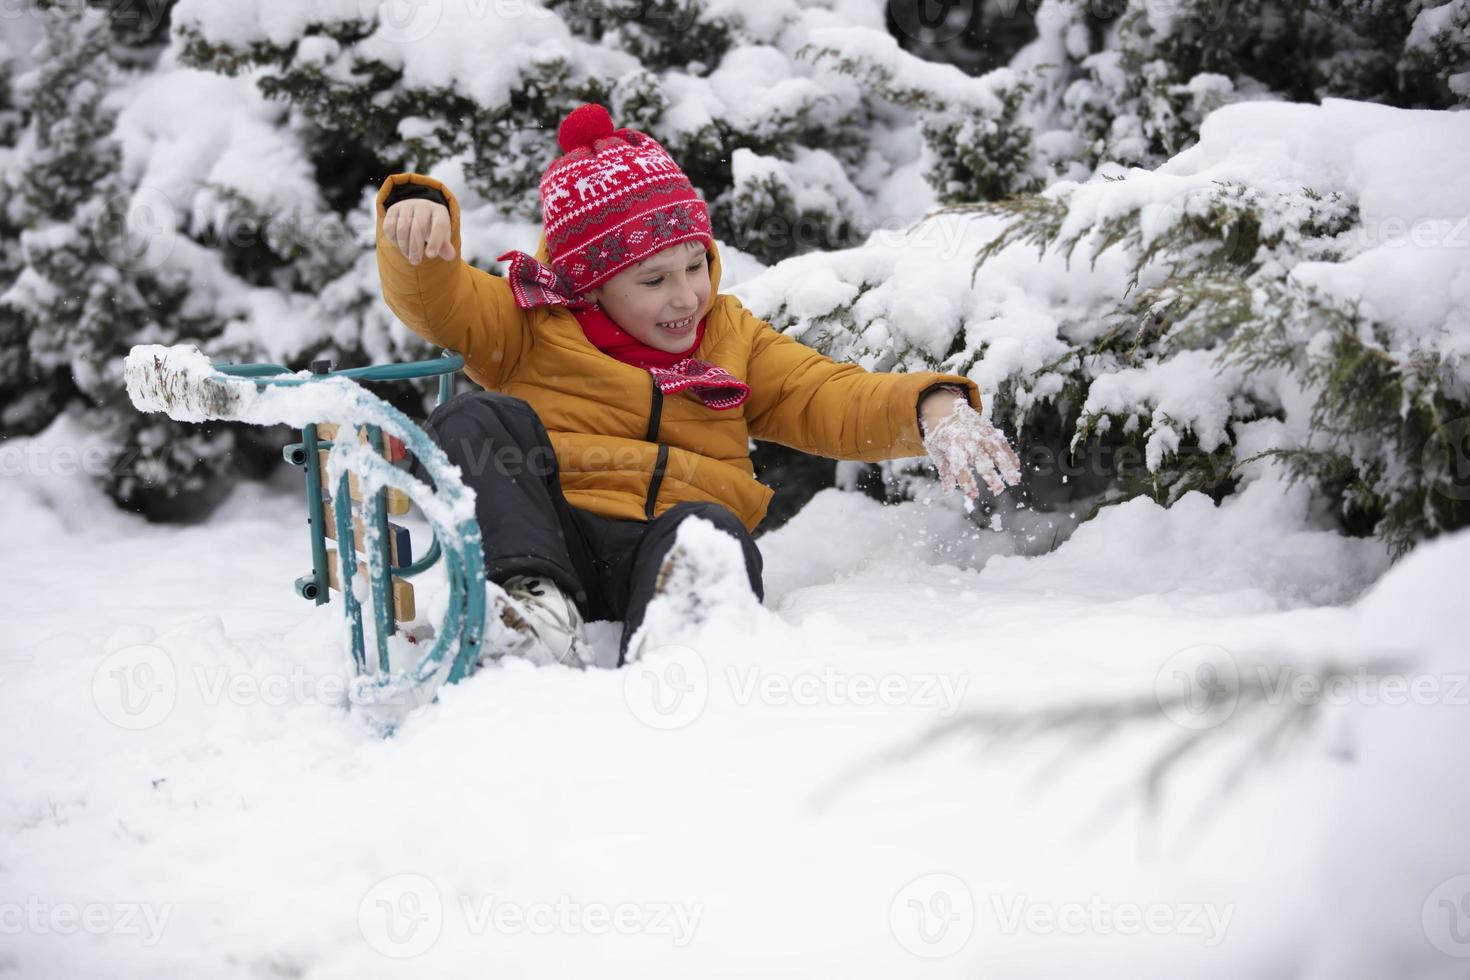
[{"x": 608, "y": 566}]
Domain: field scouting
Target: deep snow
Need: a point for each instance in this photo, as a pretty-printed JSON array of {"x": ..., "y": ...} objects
[{"x": 182, "y": 799}]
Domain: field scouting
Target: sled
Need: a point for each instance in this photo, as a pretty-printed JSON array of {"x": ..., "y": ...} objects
[{"x": 353, "y": 451}]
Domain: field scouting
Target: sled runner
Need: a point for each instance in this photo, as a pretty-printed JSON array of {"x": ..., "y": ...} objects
[{"x": 352, "y": 452}]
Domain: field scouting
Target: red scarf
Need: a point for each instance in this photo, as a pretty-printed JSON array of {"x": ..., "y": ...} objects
[
  {"x": 614, "y": 341},
  {"x": 533, "y": 284}
]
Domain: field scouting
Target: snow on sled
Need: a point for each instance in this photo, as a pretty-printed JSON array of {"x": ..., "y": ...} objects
[{"x": 350, "y": 443}]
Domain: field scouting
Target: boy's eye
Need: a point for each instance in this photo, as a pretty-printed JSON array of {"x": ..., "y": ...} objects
[{"x": 693, "y": 268}]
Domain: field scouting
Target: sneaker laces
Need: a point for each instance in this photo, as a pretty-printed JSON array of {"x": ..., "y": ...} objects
[{"x": 548, "y": 617}]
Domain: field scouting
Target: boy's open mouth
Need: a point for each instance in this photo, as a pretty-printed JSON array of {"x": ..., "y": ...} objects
[{"x": 677, "y": 325}]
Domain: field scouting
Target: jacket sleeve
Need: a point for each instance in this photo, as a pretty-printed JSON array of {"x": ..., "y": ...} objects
[
  {"x": 450, "y": 303},
  {"x": 803, "y": 399}
]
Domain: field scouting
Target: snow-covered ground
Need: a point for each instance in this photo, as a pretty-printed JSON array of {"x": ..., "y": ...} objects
[{"x": 181, "y": 797}]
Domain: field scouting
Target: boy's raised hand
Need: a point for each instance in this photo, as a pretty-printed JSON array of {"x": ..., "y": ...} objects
[
  {"x": 962, "y": 443},
  {"x": 419, "y": 228}
]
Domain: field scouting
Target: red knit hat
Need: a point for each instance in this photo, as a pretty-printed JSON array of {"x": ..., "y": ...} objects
[{"x": 615, "y": 199}]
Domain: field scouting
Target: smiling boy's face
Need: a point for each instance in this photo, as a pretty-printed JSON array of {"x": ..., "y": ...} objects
[{"x": 670, "y": 287}]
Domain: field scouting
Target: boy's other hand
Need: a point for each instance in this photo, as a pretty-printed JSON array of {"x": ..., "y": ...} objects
[
  {"x": 961, "y": 443},
  {"x": 417, "y": 228},
  {"x": 936, "y": 406}
]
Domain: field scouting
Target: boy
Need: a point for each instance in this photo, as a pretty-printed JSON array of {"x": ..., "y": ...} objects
[{"x": 621, "y": 388}]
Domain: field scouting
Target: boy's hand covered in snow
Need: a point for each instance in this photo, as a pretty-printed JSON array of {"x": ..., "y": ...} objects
[{"x": 962, "y": 443}]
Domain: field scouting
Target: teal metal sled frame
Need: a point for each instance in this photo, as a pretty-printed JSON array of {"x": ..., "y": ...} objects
[{"x": 183, "y": 383}]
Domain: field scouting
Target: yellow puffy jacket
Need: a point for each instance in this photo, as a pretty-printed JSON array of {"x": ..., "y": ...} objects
[{"x": 624, "y": 450}]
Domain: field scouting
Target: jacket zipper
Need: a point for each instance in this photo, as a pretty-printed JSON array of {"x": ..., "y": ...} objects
[{"x": 655, "y": 414}]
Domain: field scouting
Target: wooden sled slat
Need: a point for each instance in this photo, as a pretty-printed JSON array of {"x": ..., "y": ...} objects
[
  {"x": 399, "y": 550},
  {"x": 403, "y": 605},
  {"x": 397, "y": 499},
  {"x": 394, "y": 452}
]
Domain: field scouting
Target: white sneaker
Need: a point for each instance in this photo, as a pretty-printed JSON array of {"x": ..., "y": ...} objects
[{"x": 540, "y": 623}]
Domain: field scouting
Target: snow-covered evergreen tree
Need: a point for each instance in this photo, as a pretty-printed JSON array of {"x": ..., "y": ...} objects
[
  {"x": 88, "y": 284},
  {"x": 24, "y": 405},
  {"x": 805, "y": 125},
  {"x": 1246, "y": 302},
  {"x": 1212, "y": 277},
  {"x": 1142, "y": 97},
  {"x": 1205, "y": 274},
  {"x": 707, "y": 80},
  {"x": 976, "y": 143},
  {"x": 1130, "y": 82}
]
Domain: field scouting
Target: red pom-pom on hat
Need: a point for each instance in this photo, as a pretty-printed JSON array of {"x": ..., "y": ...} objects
[{"x": 584, "y": 126}]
